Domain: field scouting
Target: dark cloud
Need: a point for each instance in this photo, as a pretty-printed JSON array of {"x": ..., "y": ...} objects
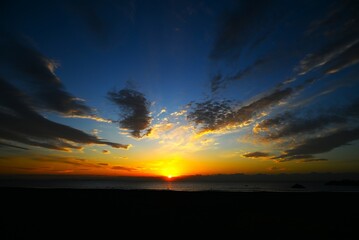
[
  {"x": 216, "y": 115},
  {"x": 323, "y": 144},
  {"x": 103, "y": 164},
  {"x": 239, "y": 26},
  {"x": 19, "y": 122},
  {"x": 340, "y": 38},
  {"x": 38, "y": 72},
  {"x": 106, "y": 152},
  {"x": 2, "y": 144},
  {"x": 103, "y": 18},
  {"x": 287, "y": 125},
  {"x": 348, "y": 58},
  {"x": 315, "y": 160},
  {"x": 219, "y": 81},
  {"x": 256, "y": 155},
  {"x": 122, "y": 168},
  {"x": 301, "y": 158},
  {"x": 342, "y": 12},
  {"x": 211, "y": 114},
  {"x": 66, "y": 160},
  {"x": 135, "y": 111},
  {"x": 326, "y": 55}
]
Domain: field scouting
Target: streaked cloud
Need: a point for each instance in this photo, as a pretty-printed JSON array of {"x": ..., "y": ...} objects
[
  {"x": 122, "y": 168},
  {"x": 287, "y": 125},
  {"x": 3, "y": 144},
  {"x": 256, "y": 155},
  {"x": 38, "y": 72},
  {"x": 19, "y": 122},
  {"x": 238, "y": 26},
  {"x": 78, "y": 162},
  {"x": 321, "y": 144},
  {"x": 220, "y": 82}
]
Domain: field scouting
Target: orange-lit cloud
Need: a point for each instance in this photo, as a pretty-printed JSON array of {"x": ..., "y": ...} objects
[{"x": 122, "y": 168}]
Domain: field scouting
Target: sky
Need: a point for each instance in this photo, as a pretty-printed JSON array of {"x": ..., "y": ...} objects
[{"x": 172, "y": 88}]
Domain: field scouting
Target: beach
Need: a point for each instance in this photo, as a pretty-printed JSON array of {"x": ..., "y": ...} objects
[{"x": 105, "y": 213}]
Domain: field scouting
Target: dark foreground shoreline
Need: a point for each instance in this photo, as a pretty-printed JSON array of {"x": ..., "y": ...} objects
[{"x": 68, "y": 213}]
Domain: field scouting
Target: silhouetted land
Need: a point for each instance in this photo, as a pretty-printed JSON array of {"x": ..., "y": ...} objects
[{"x": 70, "y": 213}]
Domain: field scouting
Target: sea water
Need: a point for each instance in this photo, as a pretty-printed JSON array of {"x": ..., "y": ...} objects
[{"x": 317, "y": 186}]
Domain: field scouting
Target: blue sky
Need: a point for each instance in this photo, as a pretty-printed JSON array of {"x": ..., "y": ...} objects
[{"x": 230, "y": 86}]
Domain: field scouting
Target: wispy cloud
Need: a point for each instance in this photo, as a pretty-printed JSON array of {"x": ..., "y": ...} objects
[{"x": 220, "y": 82}]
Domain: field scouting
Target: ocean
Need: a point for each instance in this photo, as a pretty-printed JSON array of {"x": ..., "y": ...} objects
[{"x": 255, "y": 186}]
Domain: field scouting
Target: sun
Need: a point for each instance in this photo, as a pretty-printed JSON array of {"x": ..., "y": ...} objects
[{"x": 169, "y": 176}]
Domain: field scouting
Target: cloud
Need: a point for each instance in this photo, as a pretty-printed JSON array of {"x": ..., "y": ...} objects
[
  {"x": 2, "y": 144},
  {"x": 315, "y": 160},
  {"x": 300, "y": 158},
  {"x": 38, "y": 72},
  {"x": 322, "y": 144},
  {"x": 325, "y": 55},
  {"x": 163, "y": 110},
  {"x": 103, "y": 18},
  {"x": 79, "y": 162},
  {"x": 92, "y": 117},
  {"x": 159, "y": 129},
  {"x": 286, "y": 125},
  {"x": 95, "y": 131},
  {"x": 106, "y": 151},
  {"x": 256, "y": 155},
  {"x": 19, "y": 122},
  {"x": 122, "y": 168},
  {"x": 179, "y": 113},
  {"x": 217, "y": 115},
  {"x": 220, "y": 82},
  {"x": 348, "y": 58},
  {"x": 135, "y": 111},
  {"x": 103, "y": 164},
  {"x": 238, "y": 28},
  {"x": 340, "y": 43}
]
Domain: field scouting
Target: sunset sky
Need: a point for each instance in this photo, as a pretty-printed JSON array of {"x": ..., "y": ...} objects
[{"x": 170, "y": 88}]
